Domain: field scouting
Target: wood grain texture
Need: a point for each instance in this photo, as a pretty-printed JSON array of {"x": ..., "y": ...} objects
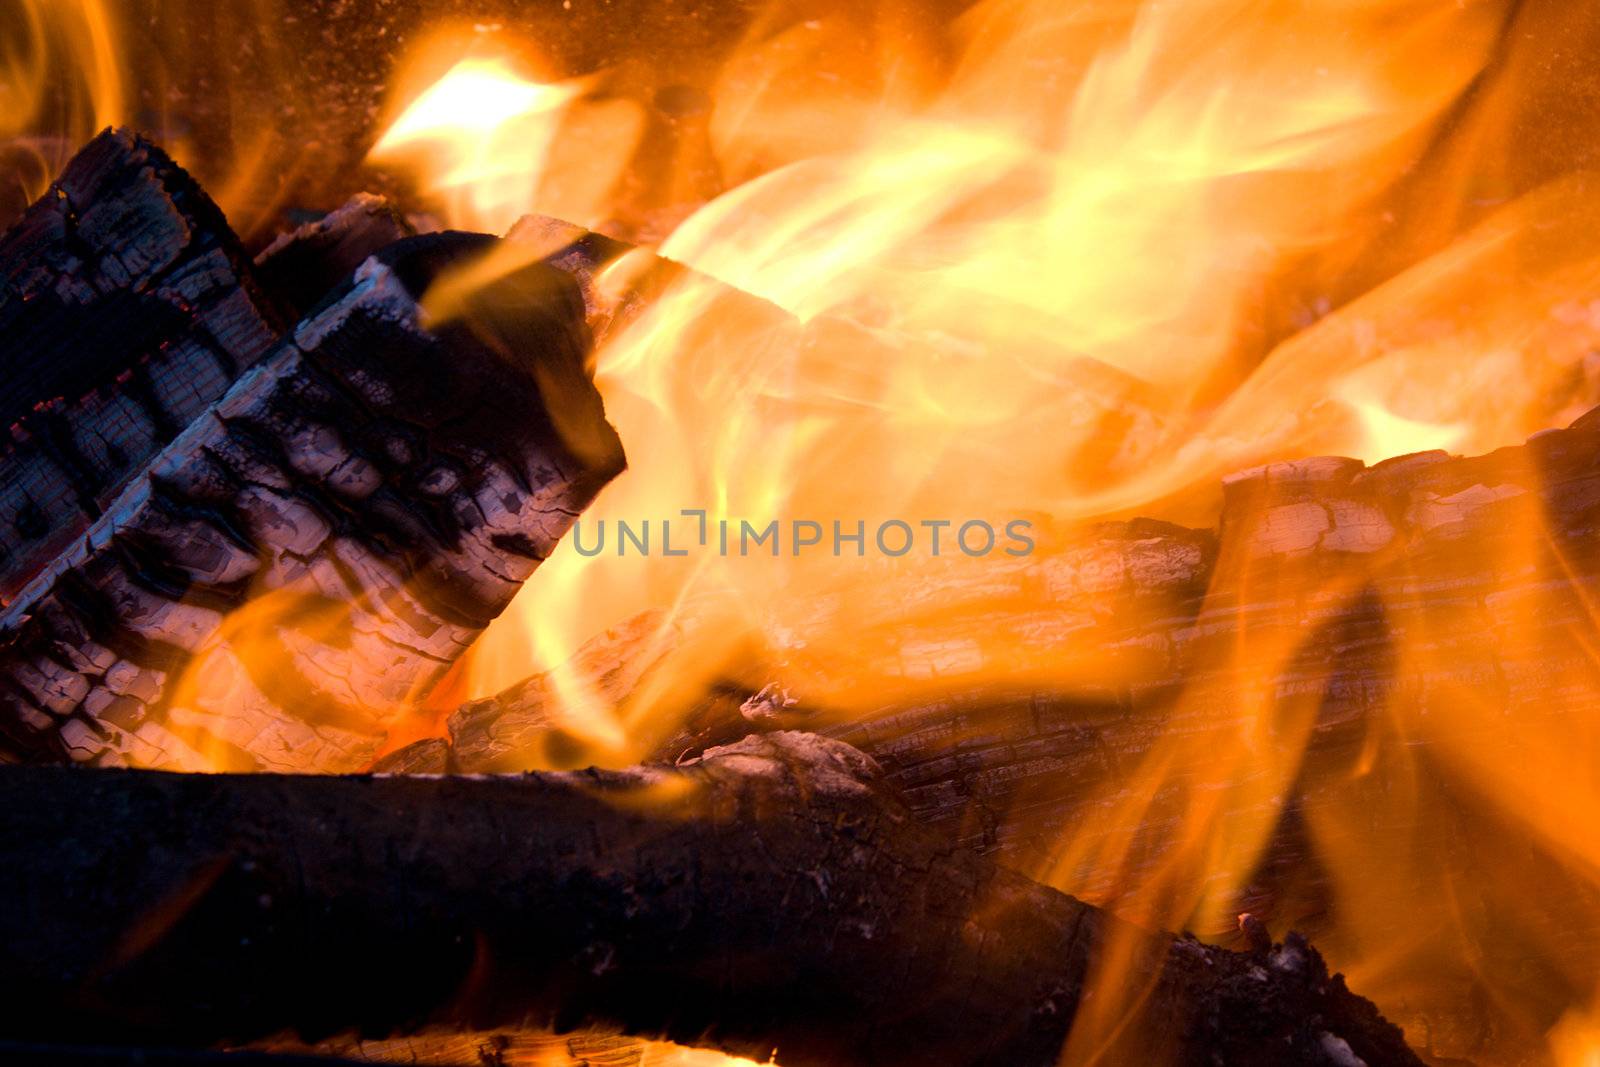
[{"x": 1403, "y": 620}]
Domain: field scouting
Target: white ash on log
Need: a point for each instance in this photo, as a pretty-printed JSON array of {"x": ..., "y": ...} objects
[
  {"x": 126, "y": 306},
  {"x": 769, "y": 895},
  {"x": 293, "y": 571}
]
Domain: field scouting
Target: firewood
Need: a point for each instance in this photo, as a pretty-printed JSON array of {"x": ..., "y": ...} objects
[
  {"x": 621, "y": 282},
  {"x": 20, "y": 1054},
  {"x": 770, "y": 895},
  {"x": 288, "y": 575},
  {"x": 126, "y": 306}
]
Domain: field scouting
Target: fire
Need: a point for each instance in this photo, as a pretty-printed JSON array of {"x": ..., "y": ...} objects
[
  {"x": 1067, "y": 264},
  {"x": 492, "y": 127},
  {"x": 1048, "y": 263},
  {"x": 495, "y": 143},
  {"x": 59, "y": 71},
  {"x": 1575, "y": 1041}
]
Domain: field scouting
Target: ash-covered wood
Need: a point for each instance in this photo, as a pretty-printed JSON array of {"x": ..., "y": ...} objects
[
  {"x": 126, "y": 306},
  {"x": 769, "y": 895},
  {"x": 290, "y": 574}
]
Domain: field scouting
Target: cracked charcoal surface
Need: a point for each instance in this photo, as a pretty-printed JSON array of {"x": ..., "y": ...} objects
[
  {"x": 126, "y": 306},
  {"x": 299, "y": 549}
]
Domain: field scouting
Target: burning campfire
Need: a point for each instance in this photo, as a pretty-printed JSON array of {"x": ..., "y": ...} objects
[{"x": 912, "y": 533}]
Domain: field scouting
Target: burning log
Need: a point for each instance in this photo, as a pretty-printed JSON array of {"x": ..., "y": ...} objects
[
  {"x": 1447, "y": 600},
  {"x": 770, "y": 894},
  {"x": 126, "y": 306},
  {"x": 639, "y": 280},
  {"x": 1422, "y": 545},
  {"x": 291, "y": 572}
]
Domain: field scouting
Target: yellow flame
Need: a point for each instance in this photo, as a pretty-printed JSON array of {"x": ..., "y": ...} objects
[
  {"x": 1063, "y": 261},
  {"x": 485, "y": 137},
  {"x": 491, "y": 129}
]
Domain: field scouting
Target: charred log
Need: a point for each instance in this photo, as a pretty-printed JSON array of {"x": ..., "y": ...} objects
[
  {"x": 288, "y": 575},
  {"x": 126, "y": 306},
  {"x": 633, "y": 288},
  {"x": 769, "y": 895},
  {"x": 20, "y": 1054}
]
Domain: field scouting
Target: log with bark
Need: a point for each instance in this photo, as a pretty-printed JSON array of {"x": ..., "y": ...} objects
[
  {"x": 126, "y": 306},
  {"x": 289, "y": 574},
  {"x": 768, "y": 895}
]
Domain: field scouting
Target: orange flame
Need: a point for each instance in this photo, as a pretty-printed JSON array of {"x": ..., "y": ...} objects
[
  {"x": 495, "y": 144},
  {"x": 59, "y": 72}
]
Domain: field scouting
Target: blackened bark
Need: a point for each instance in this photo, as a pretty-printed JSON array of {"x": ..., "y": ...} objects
[
  {"x": 302, "y": 267},
  {"x": 771, "y": 895}
]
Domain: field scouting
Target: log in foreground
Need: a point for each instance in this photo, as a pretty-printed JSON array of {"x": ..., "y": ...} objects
[
  {"x": 126, "y": 306},
  {"x": 770, "y": 895},
  {"x": 294, "y": 570}
]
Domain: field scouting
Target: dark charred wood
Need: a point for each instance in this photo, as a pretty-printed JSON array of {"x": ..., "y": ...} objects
[
  {"x": 770, "y": 895},
  {"x": 303, "y": 267},
  {"x": 126, "y": 306},
  {"x": 286, "y": 577}
]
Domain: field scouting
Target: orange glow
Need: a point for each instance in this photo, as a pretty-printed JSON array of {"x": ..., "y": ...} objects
[
  {"x": 1061, "y": 262},
  {"x": 60, "y": 74},
  {"x": 1575, "y": 1041},
  {"x": 1026, "y": 268}
]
